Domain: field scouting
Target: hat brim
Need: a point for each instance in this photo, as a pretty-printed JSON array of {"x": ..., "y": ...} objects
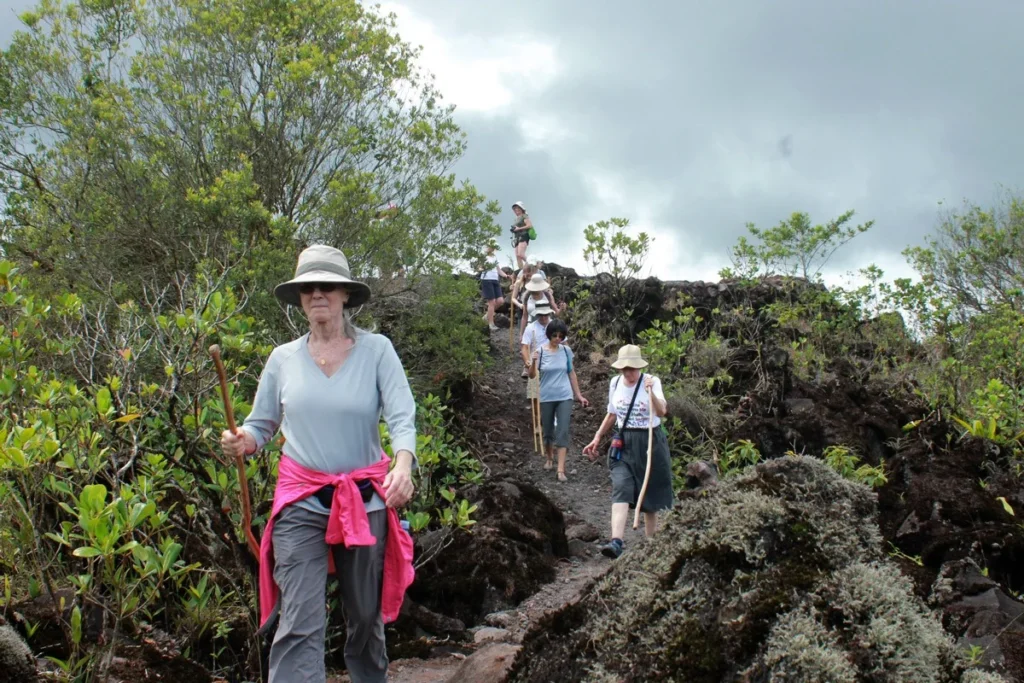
[
  {"x": 624, "y": 363},
  {"x": 288, "y": 292},
  {"x": 544, "y": 311},
  {"x": 531, "y": 288}
]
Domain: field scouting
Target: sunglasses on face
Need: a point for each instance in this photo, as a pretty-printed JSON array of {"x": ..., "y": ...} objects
[
  {"x": 557, "y": 336},
  {"x": 324, "y": 287}
]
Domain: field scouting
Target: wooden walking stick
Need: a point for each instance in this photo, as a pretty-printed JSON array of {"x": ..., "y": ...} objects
[
  {"x": 243, "y": 483},
  {"x": 650, "y": 453},
  {"x": 532, "y": 421},
  {"x": 538, "y": 431}
]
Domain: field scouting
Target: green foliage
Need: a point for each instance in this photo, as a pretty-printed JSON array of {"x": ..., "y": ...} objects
[
  {"x": 738, "y": 456},
  {"x": 793, "y": 247},
  {"x": 141, "y": 139},
  {"x": 845, "y": 461},
  {"x": 617, "y": 259},
  {"x": 438, "y": 333},
  {"x": 975, "y": 262},
  {"x": 610, "y": 249},
  {"x": 443, "y": 466},
  {"x": 102, "y": 479}
]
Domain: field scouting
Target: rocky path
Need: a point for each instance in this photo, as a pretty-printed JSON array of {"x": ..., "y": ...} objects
[{"x": 499, "y": 424}]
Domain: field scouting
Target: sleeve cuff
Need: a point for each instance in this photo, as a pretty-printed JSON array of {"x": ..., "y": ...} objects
[
  {"x": 404, "y": 445},
  {"x": 255, "y": 436}
]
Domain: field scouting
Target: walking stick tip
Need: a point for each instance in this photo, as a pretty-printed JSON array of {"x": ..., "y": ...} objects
[{"x": 215, "y": 349}]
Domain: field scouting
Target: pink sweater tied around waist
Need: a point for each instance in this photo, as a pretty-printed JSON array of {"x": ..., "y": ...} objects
[{"x": 348, "y": 525}]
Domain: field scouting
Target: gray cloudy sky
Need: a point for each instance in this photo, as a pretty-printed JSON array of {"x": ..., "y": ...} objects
[{"x": 693, "y": 118}]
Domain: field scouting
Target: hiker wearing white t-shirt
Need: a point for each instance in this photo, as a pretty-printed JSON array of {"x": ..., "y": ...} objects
[
  {"x": 631, "y": 415},
  {"x": 490, "y": 284},
  {"x": 537, "y": 291},
  {"x": 535, "y": 337}
]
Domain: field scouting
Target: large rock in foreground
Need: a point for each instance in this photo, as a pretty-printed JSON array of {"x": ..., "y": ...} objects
[{"x": 776, "y": 575}]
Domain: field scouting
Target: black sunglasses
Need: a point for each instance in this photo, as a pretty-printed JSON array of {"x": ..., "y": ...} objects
[
  {"x": 558, "y": 335},
  {"x": 325, "y": 287}
]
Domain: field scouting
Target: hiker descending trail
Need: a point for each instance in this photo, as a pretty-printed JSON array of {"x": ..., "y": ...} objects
[
  {"x": 335, "y": 502},
  {"x": 490, "y": 273},
  {"x": 558, "y": 390},
  {"x": 522, "y": 233},
  {"x": 638, "y": 458}
]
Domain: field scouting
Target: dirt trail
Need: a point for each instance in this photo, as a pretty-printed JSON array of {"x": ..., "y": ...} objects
[{"x": 499, "y": 421}]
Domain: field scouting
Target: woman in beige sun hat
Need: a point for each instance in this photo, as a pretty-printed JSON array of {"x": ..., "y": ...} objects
[
  {"x": 337, "y": 382},
  {"x": 630, "y": 412},
  {"x": 537, "y": 290}
]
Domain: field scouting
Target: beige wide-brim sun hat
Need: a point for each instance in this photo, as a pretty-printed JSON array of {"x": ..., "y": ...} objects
[
  {"x": 630, "y": 357},
  {"x": 537, "y": 283},
  {"x": 321, "y": 263},
  {"x": 543, "y": 309}
]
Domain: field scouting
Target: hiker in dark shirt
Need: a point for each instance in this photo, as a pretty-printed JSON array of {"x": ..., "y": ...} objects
[{"x": 521, "y": 232}]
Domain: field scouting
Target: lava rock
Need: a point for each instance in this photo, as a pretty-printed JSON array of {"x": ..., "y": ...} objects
[{"x": 776, "y": 574}]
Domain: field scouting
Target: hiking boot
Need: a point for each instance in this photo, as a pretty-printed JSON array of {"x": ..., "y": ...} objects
[
  {"x": 494, "y": 328},
  {"x": 612, "y": 548}
]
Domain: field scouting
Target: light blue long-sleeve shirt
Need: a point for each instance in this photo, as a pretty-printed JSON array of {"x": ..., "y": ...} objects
[{"x": 331, "y": 424}]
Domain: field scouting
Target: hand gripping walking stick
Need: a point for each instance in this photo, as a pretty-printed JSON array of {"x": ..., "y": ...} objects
[
  {"x": 243, "y": 483},
  {"x": 650, "y": 453}
]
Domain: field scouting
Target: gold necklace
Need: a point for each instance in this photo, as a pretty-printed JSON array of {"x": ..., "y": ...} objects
[{"x": 349, "y": 344}]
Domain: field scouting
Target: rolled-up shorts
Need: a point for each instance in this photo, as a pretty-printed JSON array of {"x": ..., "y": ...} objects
[
  {"x": 627, "y": 474},
  {"x": 491, "y": 289},
  {"x": 556, "y": 431}
]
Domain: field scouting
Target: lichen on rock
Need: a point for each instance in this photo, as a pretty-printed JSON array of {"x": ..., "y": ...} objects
[
  {"x": 17, "y": 665},
  {"x": 774, "y": 575}
]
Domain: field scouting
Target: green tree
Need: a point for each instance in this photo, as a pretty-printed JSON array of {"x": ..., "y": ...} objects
[
  {"x": 142, "y": 138},
  {"x": 794, "y": 247},
  {"x": 617, "y": 259},
  {"x": 975, "y": 262}
]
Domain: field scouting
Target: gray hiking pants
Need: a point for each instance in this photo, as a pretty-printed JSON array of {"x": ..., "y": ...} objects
[{"x": 300, "y": 570}]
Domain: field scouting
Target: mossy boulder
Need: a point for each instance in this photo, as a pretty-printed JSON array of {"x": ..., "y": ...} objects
[{"x": 775, "y": 575}]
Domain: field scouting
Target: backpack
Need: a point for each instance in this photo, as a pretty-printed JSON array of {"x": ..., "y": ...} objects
[{"x": 533, "y": 234}]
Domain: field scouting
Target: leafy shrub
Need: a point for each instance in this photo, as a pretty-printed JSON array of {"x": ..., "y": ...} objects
[
  {"x": 438, "y": 332},
  {"x": 845, "y": 461},
  {"x": 111, "y": 480},
  {"x": 102, "y": 481},
  {"x": 443, "y": 466}
]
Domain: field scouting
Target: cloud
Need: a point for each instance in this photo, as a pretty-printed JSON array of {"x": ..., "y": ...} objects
[
  {"x": 473, "y": 72},
  {"x": 692, "y": 120}
]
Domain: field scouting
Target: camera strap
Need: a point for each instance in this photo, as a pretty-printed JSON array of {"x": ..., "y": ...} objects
[{"x": 629, "y": 410}]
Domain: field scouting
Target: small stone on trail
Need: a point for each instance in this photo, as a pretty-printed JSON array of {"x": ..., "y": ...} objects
[
  {"x": 578, "y": 548},
  {"x": 583, "y": 531},
  {"x": 499, "y": 619},
  {"x": 489, "y": 663},
  {"x": 489, "y": 634}
]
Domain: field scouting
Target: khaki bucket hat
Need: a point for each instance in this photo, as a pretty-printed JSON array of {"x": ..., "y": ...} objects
[
  {"x": 543, "y": 309},
  {"x": 629, "y": 357},
  {"x": 520, "y": 205},
  {"x": 537, "y": 283},
  {"x": 321, "y": 263}
]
